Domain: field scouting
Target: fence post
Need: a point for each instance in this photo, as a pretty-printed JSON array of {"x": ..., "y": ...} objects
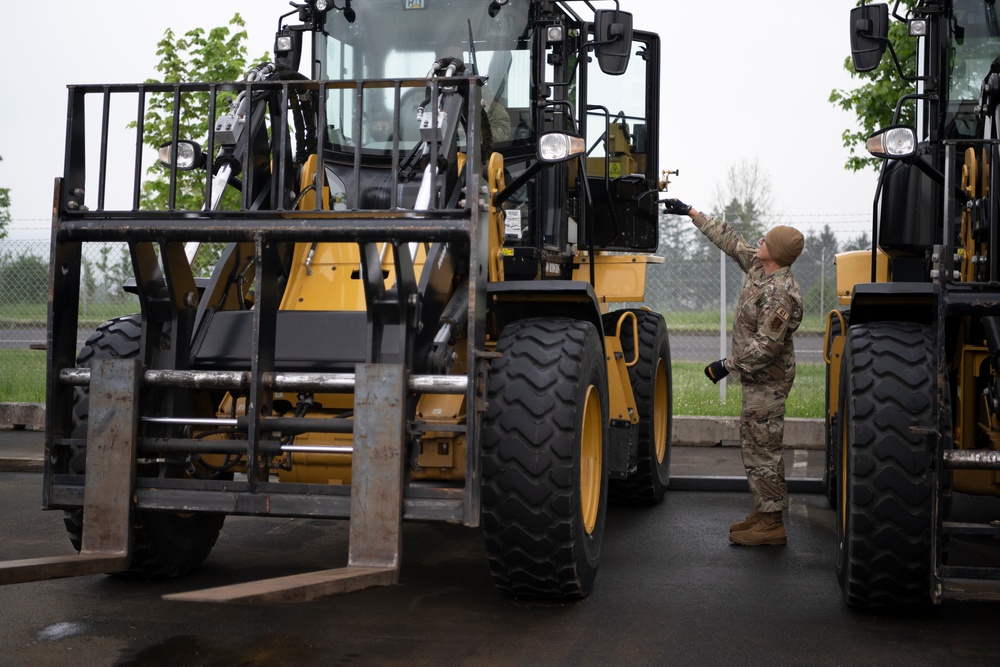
[{"x": 722, "y": 319}]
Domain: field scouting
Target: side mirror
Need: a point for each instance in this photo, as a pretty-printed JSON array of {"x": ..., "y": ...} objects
[
  {"x": 613, "y": 40},
  {"x": 869, "y": 35}
]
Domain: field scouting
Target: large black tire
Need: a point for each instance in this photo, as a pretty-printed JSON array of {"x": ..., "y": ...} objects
[
  {"x": 545, "y": 435},
  {"x": 166, "y": 544},
  {"x": 885, "y": 514},
  {"x": 652, "y": 386}
]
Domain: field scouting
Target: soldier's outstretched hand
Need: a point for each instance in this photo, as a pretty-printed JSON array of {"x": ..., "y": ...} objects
[{"x": 675, "y": 207}]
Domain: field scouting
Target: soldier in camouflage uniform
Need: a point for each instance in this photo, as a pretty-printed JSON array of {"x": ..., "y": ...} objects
[{"x": 768, "y": 312}]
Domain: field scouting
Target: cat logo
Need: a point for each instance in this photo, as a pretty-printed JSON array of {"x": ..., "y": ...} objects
[{"x": 414, "y": 4}]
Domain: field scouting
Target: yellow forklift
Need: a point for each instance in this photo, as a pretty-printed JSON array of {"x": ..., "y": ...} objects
[
  {"x": 914, "y": 353},
  {"x": 411, "y": 317}
]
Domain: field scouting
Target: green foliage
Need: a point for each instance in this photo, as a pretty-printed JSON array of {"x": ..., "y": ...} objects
[
  {"x": 4, "y": 209},
  {"x": 113, "y": 267},
  {"x": 815, "y": 273},
  {"x": 22, "y": 376},
  {"x": 874, "y": 101},
  {"x": 860, "y": 242},
  {"x": 216, "y": 56},
  {"x": 24, "y": 278}
]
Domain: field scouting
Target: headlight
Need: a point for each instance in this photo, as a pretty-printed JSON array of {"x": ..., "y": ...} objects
[
  {"x": 917, "y": 27},
  {"x": 187, "y": 155},
  {"x": 283, "y": 43},
  {"x": 893, "y": 142},
  {"x": 557, "y": 147}
]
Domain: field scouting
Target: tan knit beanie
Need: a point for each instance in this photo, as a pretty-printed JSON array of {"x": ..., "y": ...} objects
[{"x": 784, "y": 244}]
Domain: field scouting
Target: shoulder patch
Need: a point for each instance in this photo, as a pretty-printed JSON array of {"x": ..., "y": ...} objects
[{"x": 777, "y": 323}]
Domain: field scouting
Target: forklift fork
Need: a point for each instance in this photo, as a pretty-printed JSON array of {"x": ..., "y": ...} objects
[
  {"x": 107, "y": 496},
  {"x": 376, "y": 503},
  {"x": 376, "y": 493}
]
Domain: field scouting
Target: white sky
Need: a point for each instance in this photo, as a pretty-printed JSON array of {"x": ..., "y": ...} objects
[{"x": 737, "y": 84}]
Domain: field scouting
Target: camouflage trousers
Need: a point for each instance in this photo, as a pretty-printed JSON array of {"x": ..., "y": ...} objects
[{"x": 762, "y": 428}]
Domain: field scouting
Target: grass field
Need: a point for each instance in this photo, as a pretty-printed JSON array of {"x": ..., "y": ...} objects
[
  {"x": 22, "y": 376},
  {"x": 694, "y": 395},
  {"x": 90, "y": 314},
  {"x": 34, "y": 313}
]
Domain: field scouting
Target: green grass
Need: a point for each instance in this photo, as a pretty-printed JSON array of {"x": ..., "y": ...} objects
[
  {"x": 22, "y": 376},
  {"x": 35, "y": 313},
  {"x": 90, "y": 314},
  {"x": 695, "y": 395},
  {"x": 22, "y": 379},
  {"x": 708, "y": 322}
]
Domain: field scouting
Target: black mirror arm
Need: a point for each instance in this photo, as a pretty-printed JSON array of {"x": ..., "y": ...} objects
[
  {"x": 930, "y": 172},
  {"x": 892, "y": 52},
  {"x": 909, "y": 96},
  {"x": 517, "y": 183}
]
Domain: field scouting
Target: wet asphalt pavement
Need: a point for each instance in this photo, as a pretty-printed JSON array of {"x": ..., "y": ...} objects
[{"x": 671, "y": 591}]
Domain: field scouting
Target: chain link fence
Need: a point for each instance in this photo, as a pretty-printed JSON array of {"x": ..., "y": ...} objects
[
  {"x": 687, "y": 287},
  {"x": 24, "y": 271},
  {"x": 695, "y": 277}
]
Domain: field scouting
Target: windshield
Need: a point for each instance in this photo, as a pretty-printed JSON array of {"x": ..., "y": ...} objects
[
  {"x": 401, "y": 39},
  {"x": 974, "y": 44}
]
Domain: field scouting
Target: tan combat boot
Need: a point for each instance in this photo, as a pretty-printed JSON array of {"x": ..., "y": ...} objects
[
  {"x": 748, "y": 522},
  {"x": 769, "y": 530}
]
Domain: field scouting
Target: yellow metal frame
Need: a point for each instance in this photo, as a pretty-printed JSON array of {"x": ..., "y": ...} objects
[
  {"x": 327, "y": 276},
  {"x": 833, "y": 352},
  {"x": 974, "y": 417},
  {"x": 617, "y": 278},
  {"x": 495, "y": 182},
  {"x": 621, "y": 398},
  {"x": 855, "y": 268}
]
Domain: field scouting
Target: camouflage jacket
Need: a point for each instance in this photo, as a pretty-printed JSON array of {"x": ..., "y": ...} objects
[{"x": 768, "y": 312}]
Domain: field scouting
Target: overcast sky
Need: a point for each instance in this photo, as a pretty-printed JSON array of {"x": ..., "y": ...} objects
[{"x": 739, "y": 83}]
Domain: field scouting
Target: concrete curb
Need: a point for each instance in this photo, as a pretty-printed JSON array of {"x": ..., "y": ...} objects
[
  {"x": 800, "y": 433},
  {"x": 22, "y": 415}
]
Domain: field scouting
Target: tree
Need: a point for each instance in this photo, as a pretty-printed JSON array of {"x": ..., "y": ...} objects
[
  {"x": 745, "y": 197},
  {"x": 25, "y": 279},
  {"x": 744, "y": 200},
  {"x": 874, "y": 102},
  {"x": 218, "y": 55},
  {"x": 4, "y": 209},
  {"x": 860, "y": 242},
  {"x": 114, "y": 267},
  {"x": 814, "y": 271},
  {"x": 680, "y": 246}
]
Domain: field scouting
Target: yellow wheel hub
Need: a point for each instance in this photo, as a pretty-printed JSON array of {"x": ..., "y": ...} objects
[
  {"x": 661, "y": 409},
  {"x": 590, "y": 459}
]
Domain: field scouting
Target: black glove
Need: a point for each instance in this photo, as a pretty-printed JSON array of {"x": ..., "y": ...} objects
[
  {"x": 675, "y": 207},
  {"x": 716, "y": 370}
]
